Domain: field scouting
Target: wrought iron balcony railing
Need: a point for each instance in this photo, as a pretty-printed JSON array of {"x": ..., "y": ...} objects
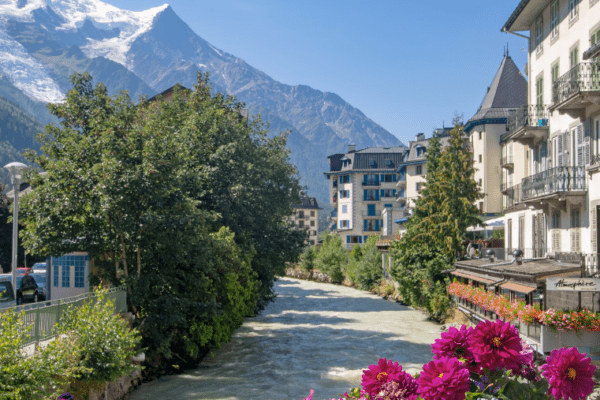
[
  {"x": 371, "y": 182},
  {"x": 554, "y": 180},
  {"x": 514, "y": 196},
  {"x": 583, "y": 77},
  {"x": 529, "y": 115},
  {"x": 366, "y": 213}
]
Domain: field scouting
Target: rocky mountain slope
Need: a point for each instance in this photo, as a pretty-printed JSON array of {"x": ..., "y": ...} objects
[{"x": 43, "y": 41}]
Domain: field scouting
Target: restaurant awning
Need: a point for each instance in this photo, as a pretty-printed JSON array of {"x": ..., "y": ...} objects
[
  {"x": 473, "y": 277},
  {"x": 400, "y": 221},
  {"x": 516, "y": 287}
]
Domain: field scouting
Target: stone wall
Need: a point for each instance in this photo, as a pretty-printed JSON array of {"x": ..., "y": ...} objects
[
  {"x": 297, "y": 272},
  {"x": 119, "y": 389}
]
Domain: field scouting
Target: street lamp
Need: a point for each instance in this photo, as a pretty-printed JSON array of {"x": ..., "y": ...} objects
[{"x": 16, "y": 176}]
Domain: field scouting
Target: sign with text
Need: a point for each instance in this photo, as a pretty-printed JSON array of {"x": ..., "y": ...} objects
[{"x": 573, "y": 284}]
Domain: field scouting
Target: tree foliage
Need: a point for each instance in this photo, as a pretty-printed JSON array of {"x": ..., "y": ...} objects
[
  {"x": 441, "y": 216},
  {"x": 181, "y": 199},
  {"x": 332, "y": 257},
  {"x": 364, "y": 268}
]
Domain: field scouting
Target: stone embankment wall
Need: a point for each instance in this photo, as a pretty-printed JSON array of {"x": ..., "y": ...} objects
[
  {"x": 297, "y": 272},
  {"x": 119, "y": 389}
]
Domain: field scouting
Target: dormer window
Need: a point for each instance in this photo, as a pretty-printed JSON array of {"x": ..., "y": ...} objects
[
  {"x": 372, "y": 164},
  {"x": 420, "y": 151},
  {"x": 345, "y": 162},
  {"x": 389, "y": 163}
]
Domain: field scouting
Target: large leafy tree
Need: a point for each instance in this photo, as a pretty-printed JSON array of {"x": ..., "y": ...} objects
[
  {"x": 181, "y": 199},
  {"x": 442, "y": 214}
]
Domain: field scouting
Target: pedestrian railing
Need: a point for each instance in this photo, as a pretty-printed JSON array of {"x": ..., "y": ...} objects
[{"x": 41, "y": 318}]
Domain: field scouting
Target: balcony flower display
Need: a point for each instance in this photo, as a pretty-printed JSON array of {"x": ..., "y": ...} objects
[
  {"x": 584, "y": 320},
  {"x": 504, "y": 370}
]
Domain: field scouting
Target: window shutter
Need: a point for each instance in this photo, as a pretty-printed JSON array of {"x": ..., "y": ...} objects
[
  {"x": 377, "y": 195},
  {"x": 382, "y": 193},
  {"x": 347, "y": 238},
  {"x": 566, "y": 161},
  {"x": 559, "y": 150},
  {"x": 393, "y": 177},
  {"x": 594, "y": 230},
  {"x": 366, "y": 178},
  {"x": 366, "y": 225},
  {"x": 365, "y": 238},
  {"x": 556, "y": 241},
  {"x": 580, "y": 161},
  {"x": 394, "y": 193},
  {"x": 365, "y": 191},
  {"x": 376, "y": 224},
  {"x": 575, "y": 240},
  {"x": 359, "y": 239},
  {"x": 586, "y": 142},
  {"x": 382, "y": 178}
]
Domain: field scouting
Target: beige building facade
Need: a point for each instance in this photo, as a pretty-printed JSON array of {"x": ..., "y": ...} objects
[
  {"x": 305, "y": 217},
  {"x": 551, "y": 179}
]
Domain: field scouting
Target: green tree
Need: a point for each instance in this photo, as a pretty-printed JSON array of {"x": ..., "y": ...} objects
[
  {"x": 332, "y": 258},
  {"x": 369, "y": 270},
  {"x": 442, "y": 214},
  {"x": 307, "y": 261}
]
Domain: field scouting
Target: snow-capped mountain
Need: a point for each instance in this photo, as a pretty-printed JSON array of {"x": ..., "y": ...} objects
[{"x": 42, "y": 42}]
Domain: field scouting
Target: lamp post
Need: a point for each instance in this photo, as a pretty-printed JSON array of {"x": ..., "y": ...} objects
[{"x": 16, "y": 176}]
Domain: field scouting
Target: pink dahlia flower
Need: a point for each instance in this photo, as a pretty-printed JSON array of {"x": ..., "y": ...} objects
[
  {"x": 569, "y": 373},
  {"x": 443, "y": 379},
  {"x": 398, "y": 391},
  {"x": 455, "y": 343},
  {"x": 380, "y": 373},
  {"x": 496, "y": 345}
]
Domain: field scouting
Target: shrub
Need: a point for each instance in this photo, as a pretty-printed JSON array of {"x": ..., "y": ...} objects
[
  {"x": 353, "y": 265},
  {"x": 369, "y": 270},
  {"x": 307, "y": 261},
  {"x": 332, "y": 257},
  {"x": 101, "y": 342}
]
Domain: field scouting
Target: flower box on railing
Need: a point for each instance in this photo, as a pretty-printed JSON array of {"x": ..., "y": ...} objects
[{"x": 587, "y": 342}]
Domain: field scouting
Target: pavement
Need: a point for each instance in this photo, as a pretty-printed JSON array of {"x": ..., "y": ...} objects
[{"x": 313, "y": 336}]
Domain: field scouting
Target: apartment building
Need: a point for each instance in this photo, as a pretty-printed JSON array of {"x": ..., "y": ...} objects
[
  {"x": 507, "y": 92},
  {"x": 363, "y": 190},
  {"x": 412, "y": 172},
  {"x": 306, "y": 217},
  {"x": 551, "y": 163}
]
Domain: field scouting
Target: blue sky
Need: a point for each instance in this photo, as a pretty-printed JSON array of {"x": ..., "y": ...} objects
[{"x": 407, "y": 65}]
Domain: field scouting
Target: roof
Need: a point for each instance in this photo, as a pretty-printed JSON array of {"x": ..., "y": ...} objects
[
  {"x": 308, "y": 202},
  {"x": 164, "y": 93},
  {"x": 517, "y": 287},
  {"x": 507, "y": 92},
  {"x": 524, "y": 15},
  {"x": 412, "y": 157},
  {"x": 373, "y": 159},
  {"x": 529, "y": 269}
]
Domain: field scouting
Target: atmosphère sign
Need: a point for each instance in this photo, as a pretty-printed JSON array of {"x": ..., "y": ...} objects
[{"x": 573, "y": 284}]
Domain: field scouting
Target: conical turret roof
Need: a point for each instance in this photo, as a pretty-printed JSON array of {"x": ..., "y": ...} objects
[{"x": 507, "y": 92}]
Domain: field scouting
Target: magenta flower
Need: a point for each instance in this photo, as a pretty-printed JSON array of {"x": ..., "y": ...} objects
[
  {"x": 380, "y": 373},
  {"x": 496, "y": 345},
  {"x": 569, "y": 373},
  {"x": 443, "y": 379},
  {"x": 406, "y": 390},
  {"x": 455, "y": 343},
  {"x": 310, "y": 395}
]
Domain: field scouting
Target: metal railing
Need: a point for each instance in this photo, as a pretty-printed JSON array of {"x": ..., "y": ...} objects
[
  {"x": 585, "y": 76},
  {"x": 529, "y": 115},
  {"x": 371, "y": 182},
  {"x": 514, "y": 196},
  {"x": 41, "y": 318},
  {"x": 554, "y": 180},
  {"x": 506, "y": 160}
]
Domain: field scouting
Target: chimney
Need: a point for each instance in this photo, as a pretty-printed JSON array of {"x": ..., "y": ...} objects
[
  {"x": 420, "y": 136},
  {"x": 351, "y": 148}
]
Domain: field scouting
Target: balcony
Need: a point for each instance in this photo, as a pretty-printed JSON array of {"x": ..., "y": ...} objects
[
  {"x": 554, "y": 185},
  {"x": 514, "y": 197},
  {"x": 367, "y": 214},
  {"x": 335, "y": 184},
  {"x": 577, "y": 89},
  {"x": 401, "y": 180},
  {"x": 528, "y": 124},
  {"x": 507, "y": 162},
  {"x": 371, "y": 182},
  {"x": 401, "y": 195}
]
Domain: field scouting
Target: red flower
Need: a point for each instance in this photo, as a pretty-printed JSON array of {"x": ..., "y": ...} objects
[
  {"x": 496, "y": 345},
  {"x": 569, "y": 373},
  {"x": 455, "y": 343},
  {"x": 443, "y": 379},
  {"x": 380, "y": 373}
]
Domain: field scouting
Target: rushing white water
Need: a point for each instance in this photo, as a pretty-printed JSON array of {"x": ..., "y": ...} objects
[{"x": 314, "y": 335}]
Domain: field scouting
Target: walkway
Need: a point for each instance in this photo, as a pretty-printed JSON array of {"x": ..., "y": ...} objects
[{"x": 314, "y": 335}]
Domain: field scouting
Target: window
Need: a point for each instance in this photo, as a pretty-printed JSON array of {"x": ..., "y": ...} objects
[
  {"x": 66, "y": 276},
  {"x": 418, "y": 187},
  {"x": 344, "y": 208},
  {"x": 312, "y": 213},
  {"x": 595, "y": 37},
  {"x": 371, "y": 195},
  {"x": 344, "y": 194},
  {"x": 371, "y": 225},
  {"x": 389, "y": 164},
  {"x": 371, "y": 179},
  {"x": 480, "y": 158},
  {"x": 554, "y": 18},
  {"x": 481, "y": 206},
  {"x": 480, "y": 135},
  {"x": 555, "y": 72},
  {"x": 575, "y": 220},
  {"x": 301, "y": 224},
  {"x": 312, "y": 223},
  {"x": 574, "y": 56},
  {"x": 372, "y": 164},
  {"x": 539, "y": 30},
  {"x": 388, "y": 192},
  {"x": 344, "y": 223},
  {"x": 55, "y": 273},
  {"x": 556, "y": 220},
  {"x": 420, "y": 151},
  {"x": 388, "y": 178},
  {"x": 573, "y": 9},
  {"x": 312, "y": 242},
  {"x": 79, "y": 273},
  {"x": 300, "y": 214},
  {"x": 480, "y": 183},
  {"x": 539, "y": 89},
  {"x": 345, "y": 179},
  {"x": 419, "y": 170}
]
